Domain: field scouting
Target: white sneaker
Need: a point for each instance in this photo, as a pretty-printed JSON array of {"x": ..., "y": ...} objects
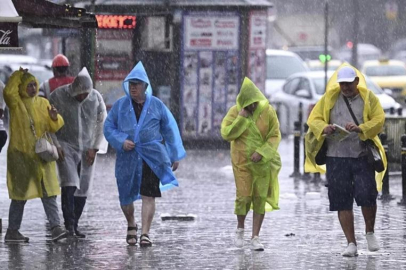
[
  {"x": 350, "y": 251},
  {"x": 373, "y": 244},
  {"x": 256, "y": 244},
  {"x": 239, "y": 237}
]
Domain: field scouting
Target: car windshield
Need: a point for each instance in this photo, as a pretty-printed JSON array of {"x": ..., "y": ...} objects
[
  {"x": 319, "y": 85},
  {"x": 385, "y": 70},
  {"x": 373, "y": 86},
  {"x": 282, "y": 66}
]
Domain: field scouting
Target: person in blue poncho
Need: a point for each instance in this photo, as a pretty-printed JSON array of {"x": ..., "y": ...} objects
[{"x": 149, "y": 147}]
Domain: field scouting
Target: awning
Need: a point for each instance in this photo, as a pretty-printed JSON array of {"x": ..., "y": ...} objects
[{"x": 45, "y": 14}]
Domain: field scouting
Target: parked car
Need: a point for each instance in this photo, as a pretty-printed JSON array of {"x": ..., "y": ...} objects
[
  {"x": 317, "y": 65},
  {"x": 388, "y": 74},
  {"x": 280, "y": 65},
  {"x": 307, "y": 88},
  {"x": 12, "y": 62},
  {"x": 365, "y": 52}
]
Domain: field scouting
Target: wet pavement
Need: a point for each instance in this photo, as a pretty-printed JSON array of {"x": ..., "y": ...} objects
[{"x": 302, "y": 235}]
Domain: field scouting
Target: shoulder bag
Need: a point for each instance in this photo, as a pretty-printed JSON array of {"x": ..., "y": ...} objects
[
  {"x": 374, "y": 157},
  {"x": 44, "y": 146}
]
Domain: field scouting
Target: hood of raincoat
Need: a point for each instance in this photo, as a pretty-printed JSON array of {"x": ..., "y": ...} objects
[
  {"x": 249, "y": 93},
  {"x": 25, "y": 80},
  {"x": 82, "y": 83},
  {"x": 137, "y": 73}
]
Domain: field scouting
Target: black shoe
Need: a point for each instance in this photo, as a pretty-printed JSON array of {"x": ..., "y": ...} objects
[
  {"x": 14, "y": 236},
  {"x": 79, "y": 234}
]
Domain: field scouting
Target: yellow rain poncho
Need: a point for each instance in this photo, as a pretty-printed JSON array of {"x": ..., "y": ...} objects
[
  {"x": 257, "y": 183},
  {"x": 373, "y": 115},
  {"x": 25, "y": 170}
]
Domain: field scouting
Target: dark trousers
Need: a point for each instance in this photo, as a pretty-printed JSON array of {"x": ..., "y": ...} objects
[
  {"x": 72, "y": 207},
  {"x": 3, "y": 138}
]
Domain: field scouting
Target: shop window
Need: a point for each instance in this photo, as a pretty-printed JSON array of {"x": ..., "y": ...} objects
[{"x": 156, "y": 34}]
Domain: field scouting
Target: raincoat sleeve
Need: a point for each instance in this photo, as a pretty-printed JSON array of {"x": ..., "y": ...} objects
[
  {"x": 54, "y": 126},
  {"x": 171, "y": 135},
  {"x": 233, "y": 125},
  {"x": 101, "y": 116},
  {"x": 11, "y": 94},
  {"x": 268, "y": 149},
  {"x": 374, "y": 125},
  {"x": 113, "y": 135}
]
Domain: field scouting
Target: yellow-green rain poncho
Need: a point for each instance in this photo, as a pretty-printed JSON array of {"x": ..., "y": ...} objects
[
  {"x": 373, "y": 116},
  {"x": 257, "y": 183},
  {"x": 25, "y": 170}
]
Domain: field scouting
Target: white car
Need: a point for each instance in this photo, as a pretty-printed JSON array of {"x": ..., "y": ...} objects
[
  {"x": 307, "y": 88},
  {"x": 280, "y": 65}
]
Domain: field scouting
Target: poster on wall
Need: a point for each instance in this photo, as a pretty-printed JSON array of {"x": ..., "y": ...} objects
[
  {"x": 256, "y": 48},
  {"x": 210, "y": 71}
]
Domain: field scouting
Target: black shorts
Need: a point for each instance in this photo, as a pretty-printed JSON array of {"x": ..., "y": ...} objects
[
  {"x": 349, "y": 179},
  {"x": 149, "y": 182}
]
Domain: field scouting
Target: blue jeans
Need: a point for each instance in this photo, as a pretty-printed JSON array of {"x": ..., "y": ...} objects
[{"x": 15, "y": 215}]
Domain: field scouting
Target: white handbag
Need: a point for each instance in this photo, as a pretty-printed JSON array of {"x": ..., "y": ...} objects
[
  {"x": 44, "y": 146},
  {"x": 46, "y": 150}
]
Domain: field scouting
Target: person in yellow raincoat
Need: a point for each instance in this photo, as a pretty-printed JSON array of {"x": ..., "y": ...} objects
[
  {"x": 252, "y": 127},
  {"x": 28, "y": 176},
  {"x": 349, "y": 174}
]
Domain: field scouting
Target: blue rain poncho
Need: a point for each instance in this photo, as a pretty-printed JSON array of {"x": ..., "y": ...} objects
[{"x": 156, "y": 137}]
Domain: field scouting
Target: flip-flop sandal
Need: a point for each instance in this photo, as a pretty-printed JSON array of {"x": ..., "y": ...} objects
[
  {"x": 130, "y": 237},
  {"x": 145, "y": 241}
]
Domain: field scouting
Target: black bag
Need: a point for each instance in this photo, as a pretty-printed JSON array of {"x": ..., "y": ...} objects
[
  {"x": 374, "y": 157},
  {"x": 322, "y": 154}
]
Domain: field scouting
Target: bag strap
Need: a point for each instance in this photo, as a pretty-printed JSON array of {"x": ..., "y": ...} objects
[
  {"x": 48, "y": 137},
  {"x": 351, "y": 112},
  {"x": 31, "y": 124}
]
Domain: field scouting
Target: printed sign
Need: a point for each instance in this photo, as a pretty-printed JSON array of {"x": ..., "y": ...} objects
[
  {"x": 211, "y": 32},
  {"x": 210, "y": 72},
  {"x": 257, "y": 47},
  {"x": 8, "y": 35}
]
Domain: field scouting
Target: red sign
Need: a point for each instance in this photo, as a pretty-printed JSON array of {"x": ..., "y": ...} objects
[{"x": 116, "y": 21}]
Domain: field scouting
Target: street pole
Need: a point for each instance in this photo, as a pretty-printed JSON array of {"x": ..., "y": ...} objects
[
  {"x": 354, "y": 58},
  {"x": 325, "y": 43}
]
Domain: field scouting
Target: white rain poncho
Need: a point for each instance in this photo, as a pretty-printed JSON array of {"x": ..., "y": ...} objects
[{"x": 83, "y": 128}]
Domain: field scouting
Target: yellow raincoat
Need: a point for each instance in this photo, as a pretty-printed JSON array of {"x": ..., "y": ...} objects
[
  {"x": 373, "y": 115},
  {"x": 257, "y": 183},
  {"x": 25, "y": 170}
]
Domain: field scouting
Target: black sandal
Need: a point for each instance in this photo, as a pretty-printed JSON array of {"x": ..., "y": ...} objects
[
  {"x": 129, "y": 237},
  {"x": 145, "y": 241}
]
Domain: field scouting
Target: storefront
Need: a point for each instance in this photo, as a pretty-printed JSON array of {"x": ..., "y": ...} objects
[{"x": 195, "y": 52}]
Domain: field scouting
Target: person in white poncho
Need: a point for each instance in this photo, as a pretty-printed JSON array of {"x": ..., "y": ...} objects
[{"x": 84, "y": 112}]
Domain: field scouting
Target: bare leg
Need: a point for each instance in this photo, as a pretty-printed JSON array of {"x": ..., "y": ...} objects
[
  {"x": 257, "y": 223},
  {"x": 147, "y": 213},
  {"x": 128, "y": 211},
  {"x": 346, "y": 218},
  {"x": 241, "y": 221},
  {"x": 369, "y": 214}
]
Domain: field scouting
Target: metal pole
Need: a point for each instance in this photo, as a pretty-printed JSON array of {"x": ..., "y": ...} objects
[
  {"x": 296, "y": 151},
  {"x": 403, "y": 152},
  {"x": 355, "y": 25},
  {"x": 385, "y": 181},
  {"x": 305, "y": 176},
  {"x": 325, "y": 43}
]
